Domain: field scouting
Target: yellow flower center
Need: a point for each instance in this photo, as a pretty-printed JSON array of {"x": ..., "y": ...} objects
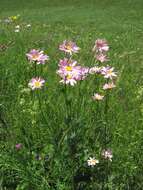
[
  {"x": 35, "y": 56},
  {"x": 109, "y": 72},
  {"x": 14, "y": 17},
  {"x": 68, "y": 68},
  {"x": 37, "y": 84},
  {"x": 69, "y": 77}
]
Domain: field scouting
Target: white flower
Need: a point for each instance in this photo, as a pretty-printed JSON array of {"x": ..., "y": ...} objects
[
  {"x": 28, "y": 25},
  {"x": 92, "y": 161},
  {"x": 17, "y": 30},
  {"x": 17, "y": 27},
  {"x": 109, "y": 86},
  {"x": 97, "y": 97}
]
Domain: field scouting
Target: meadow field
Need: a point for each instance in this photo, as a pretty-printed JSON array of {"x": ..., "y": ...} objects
[{"x": 62, "y": 126}]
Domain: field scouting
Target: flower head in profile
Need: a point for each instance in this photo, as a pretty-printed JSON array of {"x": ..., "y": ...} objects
[
  {"x": 95, "y": 70},
  {"x": 97, "y": 97},
  {"x": 107, "y": 154},
  {"x": 36, "y": 83},
  {"x": 109, "y": 86},
  {"x": 18, "y": 146},
  {"x": 102, "y": 57},
  {"x": 37, "y": 56},
  {"x": 69, "y": 47},
  {"x": 101, "y": 46},
  {"x": 92, "y": 161},
  {"x": 108, "y": 72}
]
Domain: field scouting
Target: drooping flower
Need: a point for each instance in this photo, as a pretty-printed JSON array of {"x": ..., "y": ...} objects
[
  {"x": 101, "y": 46},
  {"x": 102, "y": 57},
  {"x": 37, "y": 56},
  {"x": 94, "y": 70},
  {"x": 92, "y": 161},
  {"x": 109, "y": 86},
  {"x": 107, "y": 154},
  {"x": 18, "y": 146},
  {"x": 97, "y": 97},
  {"x": 108, "y": 72},
  {"x": 69, "y": 47},
  {"x": 36, "y": 83}
]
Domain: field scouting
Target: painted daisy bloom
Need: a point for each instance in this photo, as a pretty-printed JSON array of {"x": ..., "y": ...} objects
[
  {"x": 67, "y": 62},
  {"x": 37, "y": 56},
  {"x": 94, "y": 70},
  {"x": 102, "y": 58},
  {"x": 108, "y": 72},
  {"x": 101, "y": 46},
  {"x": 97, "y": 97},
  {"x": 69, "y": 79},
  {"x": 109, "y": 86},
  {"x": 107, "y": 154},
  {"x": 70, "y": 72},
  {"x": 36, "y": 83},
  {"x": 69, "y": 47},
  {"x": 92, "y": 161},
  {"x": 67, "y": 67}
]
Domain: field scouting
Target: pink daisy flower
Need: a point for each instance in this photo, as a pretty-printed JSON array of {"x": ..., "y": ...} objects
[
  {"x": 37, "y": 56},
  {"x": 36, "y": 83},
  {"x": 101, "y": 45},
  {"x": 94, "y": 70},
  {"x": 97, "y": 97},
  {"x": 107, "y": 154},
  {"x": 70, "y": 72},
  {"x": 109, "y": 86},
  {"x": 69, "y": 79},
  {"x": 69, "y": 47},
  {"x": 108, "y": 72},
  {"x": 102, "y": 58}
]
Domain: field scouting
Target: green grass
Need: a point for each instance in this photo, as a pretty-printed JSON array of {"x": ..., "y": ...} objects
[{"x": 41, "y": 126}]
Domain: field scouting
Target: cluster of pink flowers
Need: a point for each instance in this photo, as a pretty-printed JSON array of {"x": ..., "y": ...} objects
[
  {"x": 38, "y": 57},
  {"x": 100, "y": 49},
  {"x": 69, "y": 70}
]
